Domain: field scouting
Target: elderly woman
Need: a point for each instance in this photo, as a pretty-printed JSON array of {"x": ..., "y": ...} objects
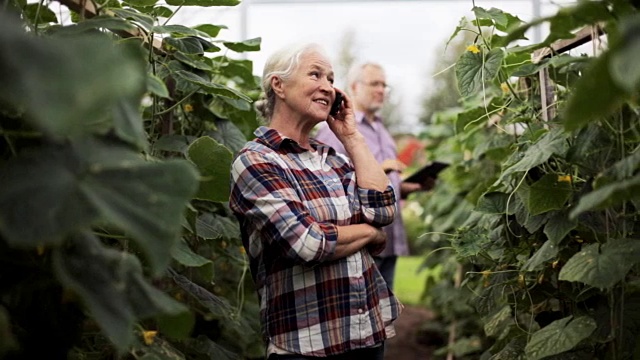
[{"x": 311, "y": 219}]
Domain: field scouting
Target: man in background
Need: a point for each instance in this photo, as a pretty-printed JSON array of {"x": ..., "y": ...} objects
[{"x": 367, "y": 86}]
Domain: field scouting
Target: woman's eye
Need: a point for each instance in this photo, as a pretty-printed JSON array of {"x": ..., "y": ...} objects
[{"x": 315, "y": 74}]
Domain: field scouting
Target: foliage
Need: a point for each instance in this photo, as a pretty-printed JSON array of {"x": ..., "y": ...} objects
[
  {"x": 539, "y": 212},
  {"x": 115, "y": 237}
]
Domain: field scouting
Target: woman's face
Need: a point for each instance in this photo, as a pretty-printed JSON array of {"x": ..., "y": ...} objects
[{"x": 309, "y": 91}]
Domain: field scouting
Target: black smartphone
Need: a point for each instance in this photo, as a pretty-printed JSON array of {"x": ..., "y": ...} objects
[{"x": 335, "y": 107}]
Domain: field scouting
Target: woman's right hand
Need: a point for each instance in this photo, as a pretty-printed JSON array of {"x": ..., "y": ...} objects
[{"x": 343, "y": 124}]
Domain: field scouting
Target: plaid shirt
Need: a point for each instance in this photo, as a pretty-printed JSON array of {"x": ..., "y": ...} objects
[{"x": 289, "y": 202}]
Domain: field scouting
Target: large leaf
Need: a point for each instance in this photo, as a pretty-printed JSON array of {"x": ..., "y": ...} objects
[
  {"x": 547, "y": 251},
  {"x": 49, "y": 194},
  {"x": 183, "y": 254},
  {"x": 495, "y": 324},
  {"x": 216, "y": 305},
  {"x": 75, "y": 99},
  {"x": 495, "y": 203},
  {"x": 210, "y": 87},
  {"x": 501, "y": 20},
  {"x": 582, "y": 107},
  {"x": 112, "y": 285},
  {"x": 553, "y": 142},
  {"x": 243, "y": 46},
  {"x": 228, "y": 134},
  {"x": 474, "y": 70},
  {"x": 548, "y": 194},
  {"x": 211, "y": 226},
  {"x": 558, "y": 226},
  {"x": 609, "y": 195},
  {"x": 559, "y": 336},
  {"x": 214, "y": 162},
  {"x": 624, "y": 66},
  {"x": 602, "y": 266},
  {"x": 563, "y": 23}
]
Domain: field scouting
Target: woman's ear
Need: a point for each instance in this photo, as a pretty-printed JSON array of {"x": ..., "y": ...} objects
[{"x": 277, "y": 86}]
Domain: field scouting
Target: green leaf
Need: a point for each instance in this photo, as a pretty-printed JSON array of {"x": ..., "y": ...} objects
[
  {"x": 127, "y": 124},
  {"x": 91, "y": 181},
  {"x": 210, "y": 87},
  {"x": 209, "y": 29},
  {"x": 175, "y": 143},
  {"x": 45, "y": 15},
  {"x": 473, "y": 71},
  {"x": 228, "y": 134},
  {"x": 471, "y": 243},
  {"x": 503, "y": 21},
  {"x": 112, "y": 286},
  {"x": 210, "y": 226},
  {"x": 216, "y": 305},
  {"x": 203, "y": 3},
  {"x": 243, "y": 46},
  {"x": 553, "y": 142},
  {"x": 559, "y": 336},
  {"x": 156, "y": 86},
  {"x": 461, "y": 25},
  {"x": 624, "y": 67},
  {"x": 101, "y": 22},
  {"x": 495, "y": 324},
  {"x": 214, "y": 163},
  {"x": 495, "y": 203},
  {"x": 195, "y": 61},
  {"x": 547, "y": 251},
  {"x": 602, "y": 266},
  {"x": 144, "y": 20},
  {"x": 240, "y": 69},
  {"x": 548, "y": 194},
  {"x": 614, "y": 193},
  {"x": 177, "y": 326},
  {"x": 558, "y": 226},
  {"x": 175, "y": 30},
  {"x": 75, "y": 99},
  {"x": 187, "y": 45},
  {"x": 183, "y": 254},
  {"x": 582, "y": 107}
]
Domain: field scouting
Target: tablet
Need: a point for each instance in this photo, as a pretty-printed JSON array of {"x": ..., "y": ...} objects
[{"x": 429, "y": 171}]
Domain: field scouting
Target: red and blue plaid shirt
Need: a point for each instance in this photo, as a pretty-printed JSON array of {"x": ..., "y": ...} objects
[{"x": 290, "y": 202}]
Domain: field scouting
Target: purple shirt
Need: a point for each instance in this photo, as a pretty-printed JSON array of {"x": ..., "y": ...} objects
[{"x": 383, "y": 147}]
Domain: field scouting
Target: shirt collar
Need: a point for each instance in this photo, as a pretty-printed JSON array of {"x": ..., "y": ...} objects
[
  {"x": 360, "y": 118},
  {"x": 273, "y": 139}
]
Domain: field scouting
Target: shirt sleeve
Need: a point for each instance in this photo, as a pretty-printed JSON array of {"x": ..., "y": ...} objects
[{"x": 262, "y": 194}]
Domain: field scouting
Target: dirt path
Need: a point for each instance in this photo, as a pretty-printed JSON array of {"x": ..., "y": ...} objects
[{"x": 405, "y": 345}]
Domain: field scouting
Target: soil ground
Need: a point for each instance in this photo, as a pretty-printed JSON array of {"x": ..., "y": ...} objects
[{"x": 405, "y": 345}]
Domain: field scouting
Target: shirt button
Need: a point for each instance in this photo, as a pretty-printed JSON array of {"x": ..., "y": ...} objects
[{"x": 360, "y": 311}]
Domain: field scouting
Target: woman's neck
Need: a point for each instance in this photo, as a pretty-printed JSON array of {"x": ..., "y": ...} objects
[{"x": 295, "y": 129}]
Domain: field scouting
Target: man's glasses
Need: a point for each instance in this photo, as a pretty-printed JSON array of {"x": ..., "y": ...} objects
[{"x": 377, "y": 84}]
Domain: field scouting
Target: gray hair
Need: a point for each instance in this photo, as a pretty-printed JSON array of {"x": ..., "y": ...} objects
[
  {"x": 282, "y": 64},
  {"x": 355, "y": 73}
]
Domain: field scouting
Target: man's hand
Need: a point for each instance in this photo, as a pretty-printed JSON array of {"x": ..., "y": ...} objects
[{"x": 390, "y": 165}]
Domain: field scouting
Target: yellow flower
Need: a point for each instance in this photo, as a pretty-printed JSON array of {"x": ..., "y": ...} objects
[
  {"x": 504, "y": 87},
  {"x": 188, "y": 108},
  {"x": 564, "y": 178},
  {"x": 149, "y": 336},
  {"x": 473, "y": 48}
]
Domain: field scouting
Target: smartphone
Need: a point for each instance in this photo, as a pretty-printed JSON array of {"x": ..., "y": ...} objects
[{"x": 335, "y": 107}]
